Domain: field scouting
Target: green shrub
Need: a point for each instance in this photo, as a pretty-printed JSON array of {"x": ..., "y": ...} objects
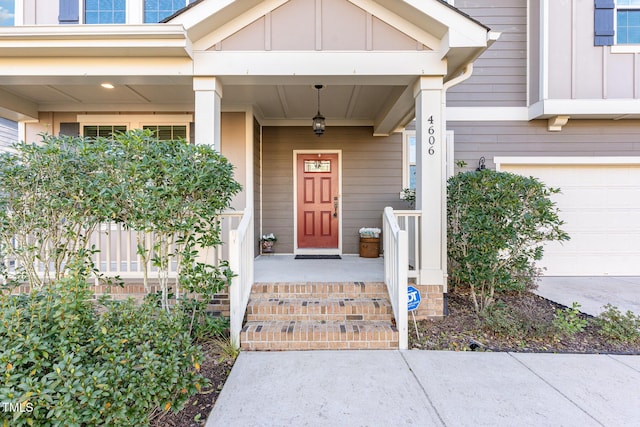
[
  {"x": 68, "y": 365},
  {"x": 496, "y": 224},
  {"x": 617, "y": 326},
  {"x": 569, "y": 321},
  {"x": 501, "y": 319}
]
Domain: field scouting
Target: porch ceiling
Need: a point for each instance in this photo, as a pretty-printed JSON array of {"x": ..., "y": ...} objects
[{"x": 289, "y": 101}]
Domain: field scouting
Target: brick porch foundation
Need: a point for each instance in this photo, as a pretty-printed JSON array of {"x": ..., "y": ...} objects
[{"x": 431, "y": 303}]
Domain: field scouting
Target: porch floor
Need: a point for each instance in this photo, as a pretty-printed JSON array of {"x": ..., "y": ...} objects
[{"x": 286, "y": 269}]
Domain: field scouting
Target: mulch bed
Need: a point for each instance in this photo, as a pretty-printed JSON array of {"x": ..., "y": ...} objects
[
  {"x": 523, "y": 324},
  {"x": 214, "y": 367}
]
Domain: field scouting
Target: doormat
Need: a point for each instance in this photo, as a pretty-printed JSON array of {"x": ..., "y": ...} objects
[{"x": 318, "y": 257}]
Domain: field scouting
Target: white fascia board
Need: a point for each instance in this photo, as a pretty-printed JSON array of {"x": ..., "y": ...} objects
[
  {"x": 314, "y": 63},
  {"x": 143, "y": 108},
  {"x": 569, "y": 160},
  {"x": 95, "y": 40},
  {"x": 487, "y": 114},
  {"x": 402, "y": 23},
  {"x": 587, "y": 108},
  {"x": 34, "y": 70}
]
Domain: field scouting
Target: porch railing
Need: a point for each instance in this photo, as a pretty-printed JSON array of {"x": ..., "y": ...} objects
[
  {"x": 241, "y": 263},
  {"x": 396, "y": 260},
  {"x": 411, "y": 222},
  {"x": 117, "y": 248},
  {"x": 117, "y": 253}
]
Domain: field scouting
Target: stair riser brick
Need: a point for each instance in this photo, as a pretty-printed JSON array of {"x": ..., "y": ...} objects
[{"x": 319, "y": 290}]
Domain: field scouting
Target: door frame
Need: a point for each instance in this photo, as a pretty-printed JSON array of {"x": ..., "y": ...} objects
[{"x": 316, "y": 251}]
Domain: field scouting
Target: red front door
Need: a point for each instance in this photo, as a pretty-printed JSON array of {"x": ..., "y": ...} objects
[{"x": 317, "y": 176}]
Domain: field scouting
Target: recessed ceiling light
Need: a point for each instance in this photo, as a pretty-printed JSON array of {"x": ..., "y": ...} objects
[{"x": 107, "y": 85}]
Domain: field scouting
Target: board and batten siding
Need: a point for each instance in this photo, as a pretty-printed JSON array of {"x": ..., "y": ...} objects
[
  {"x": 371, "y": 179},
  {"x": 577, "y": 68},
  {"x": 513, "y": 138},
  {"x": 500, "y": 74}
]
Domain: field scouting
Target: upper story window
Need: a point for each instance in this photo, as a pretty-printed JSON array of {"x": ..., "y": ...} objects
[
  {"x": 157, "y": 10},
  {"x": 628, "y": 22},
  {"x": 7, "y": 13},
  {"x": 105, "y": 11}
]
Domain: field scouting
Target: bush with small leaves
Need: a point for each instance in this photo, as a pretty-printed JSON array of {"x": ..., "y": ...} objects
[
  {"x": 497, "y": 223},
  {"x": 569, "y": 320},
  {"x": 71, "y": 366},
  {"x": 617, "y": 326}
]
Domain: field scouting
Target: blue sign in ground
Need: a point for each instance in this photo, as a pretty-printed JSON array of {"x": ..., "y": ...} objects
[{"x": 414, "y": 298}]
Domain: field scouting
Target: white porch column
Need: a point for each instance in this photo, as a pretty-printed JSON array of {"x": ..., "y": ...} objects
[
  {"x": 208, "y": 91},
  {"x": 431, "y": 186}
]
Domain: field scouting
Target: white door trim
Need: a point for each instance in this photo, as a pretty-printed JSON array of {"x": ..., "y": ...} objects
[{"x": 312, "y": 251}]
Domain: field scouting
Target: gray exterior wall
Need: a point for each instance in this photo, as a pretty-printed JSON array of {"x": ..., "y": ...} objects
[
  {"x": 578, "y": 138},
  {"x": 500, "y": 74},
  {"x": 577, "y": 68},
  {"x": 8, "y": 133},
  {"x": 371, "y": 178}
]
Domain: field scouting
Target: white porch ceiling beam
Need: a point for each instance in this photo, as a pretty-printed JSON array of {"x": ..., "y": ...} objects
[
  {"x": 306, "y": 63},
  {"x": 15, "y": 108},
  {"x": 397, "y": 108}
]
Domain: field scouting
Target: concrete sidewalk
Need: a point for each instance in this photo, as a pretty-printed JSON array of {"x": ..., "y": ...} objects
[
  {"x": 593, "y": 292},
  {"x": 429, "y": 388}
]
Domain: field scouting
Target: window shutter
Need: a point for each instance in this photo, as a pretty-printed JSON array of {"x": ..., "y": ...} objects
[
  {"x": 603, "y": 22},
  {"x": 192, "y": 132},
  {"x": 68, "y": 12},
  {"x": 69, "y": 129}
]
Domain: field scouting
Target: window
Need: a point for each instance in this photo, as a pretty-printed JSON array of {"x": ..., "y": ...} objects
[
  {"x": 409, "y": 166},
  {"x": 167, "y": 133},
  {"x": 628, "y": 22},
  {"x": 105, "y": 131},
  {"x": 157, "y": 10},
  {"x": 7, "y": 13},
  {"x": 105, "y": 11}
]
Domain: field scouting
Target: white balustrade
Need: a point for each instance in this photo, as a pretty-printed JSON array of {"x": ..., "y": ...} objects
[{"x": 396, "y": 261}]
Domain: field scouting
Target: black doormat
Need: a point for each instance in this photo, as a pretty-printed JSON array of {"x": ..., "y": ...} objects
[{"x": 318, "y": 257}]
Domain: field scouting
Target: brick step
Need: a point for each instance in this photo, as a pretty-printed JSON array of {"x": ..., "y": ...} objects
[
  {"x": 320, "y": 290},
  {"x": 313, "y": 335},
  {"x": 327, "y": 309}
]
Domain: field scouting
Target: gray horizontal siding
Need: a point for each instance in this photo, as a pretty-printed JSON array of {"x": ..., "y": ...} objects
[
  {"x": 500, "y": 74},
  {"x": 371, "y": 178},
  {"x": 473, "y": 140},
  {"x": 8, "y": 133}
]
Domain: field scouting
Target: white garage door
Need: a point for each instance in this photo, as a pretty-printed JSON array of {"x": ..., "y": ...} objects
[{"x": 600, "y": 204}]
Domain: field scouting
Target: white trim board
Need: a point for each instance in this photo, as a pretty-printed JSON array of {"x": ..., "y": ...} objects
[{"x": 533, "y": 160}]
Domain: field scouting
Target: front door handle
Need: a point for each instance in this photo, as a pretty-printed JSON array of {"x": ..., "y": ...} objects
[{"x": 335, "y": 207}]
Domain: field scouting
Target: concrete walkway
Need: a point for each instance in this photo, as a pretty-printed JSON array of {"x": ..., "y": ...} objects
[
  {"x": 429, "y": 388},
  {"x": 592, "y": 293}
]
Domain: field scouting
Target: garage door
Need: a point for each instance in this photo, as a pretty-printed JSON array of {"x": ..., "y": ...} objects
[{"x": 600, "y": 204}]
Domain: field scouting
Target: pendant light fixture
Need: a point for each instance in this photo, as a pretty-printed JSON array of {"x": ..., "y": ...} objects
[{"x": 318, "y": 124}]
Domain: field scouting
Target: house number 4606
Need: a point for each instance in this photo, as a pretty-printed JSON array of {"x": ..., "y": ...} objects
[{"x": 432, "y": 137}]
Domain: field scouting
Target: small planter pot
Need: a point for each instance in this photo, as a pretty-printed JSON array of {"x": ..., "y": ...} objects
[
  {"x": 369, "y": 247},
  {"x": 267, "y": 247}
]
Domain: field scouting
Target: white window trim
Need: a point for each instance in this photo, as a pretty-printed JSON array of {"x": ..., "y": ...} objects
[
  {"x": 405, "y": 157},
  {"x": 624, "y": 47}
]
